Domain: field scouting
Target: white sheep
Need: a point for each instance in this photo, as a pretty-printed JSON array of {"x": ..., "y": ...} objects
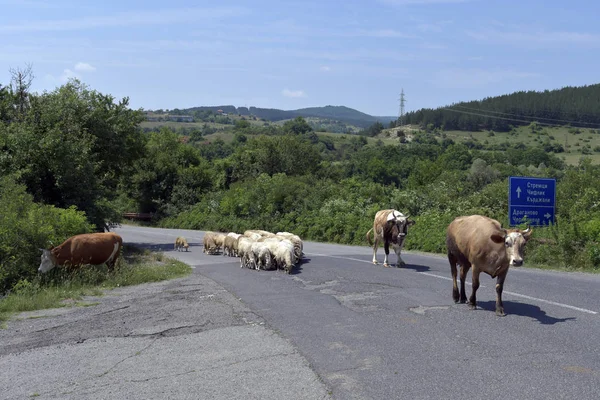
[
  {"x": 260, "y": 256},
  {"x": 230, "y": 244},
  {"x": 181, "y": 243},
  {"x": 244, "y": 245},
  {"x": 284, "y": 256},
  {"x": 295, "y": 239},
  {"x": 209, "y": 243}
]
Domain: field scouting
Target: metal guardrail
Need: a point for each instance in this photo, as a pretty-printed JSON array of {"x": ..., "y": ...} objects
[{"x": 138, "y": 216}]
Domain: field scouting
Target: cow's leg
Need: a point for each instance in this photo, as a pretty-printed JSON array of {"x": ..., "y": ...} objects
[
  {"x": 386, "y": 248},
  {"x": 375, "y": 246},
  {"x": 499, "y": 287},
  {"x": 398, "y": 250},
  {"x": 463, "y": 276},
  {"x": 475, "y": 283},
  {"x": 454, "y": 272}
]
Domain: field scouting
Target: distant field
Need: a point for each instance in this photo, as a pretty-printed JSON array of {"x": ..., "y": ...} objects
[
  {"x": 179, "y": 125},
  {"x": 572, "y": 143}
]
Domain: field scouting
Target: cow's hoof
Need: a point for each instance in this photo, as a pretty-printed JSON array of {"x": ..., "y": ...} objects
[
  {"x": 402, "y": 264},
  {"x": 463, "y": 301},
  {"x": 500, "y": 313},
  {"x": 375, "y": 262},
  {"x": 472, "y": 306},
  {"x": 387, "y": 265}
]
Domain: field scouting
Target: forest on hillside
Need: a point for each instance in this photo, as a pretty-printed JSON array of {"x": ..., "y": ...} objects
[
  {"x": 333, "y": 113},
  {"x": 575, "y": 106},
  {"x": 72, "y": 160}
]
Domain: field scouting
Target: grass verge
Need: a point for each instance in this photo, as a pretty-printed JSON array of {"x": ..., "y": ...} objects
[{"x": 51, "y": 290}]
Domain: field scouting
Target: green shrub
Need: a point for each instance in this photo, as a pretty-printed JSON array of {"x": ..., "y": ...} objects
[
  {"x": 429, "y": 232},
  {"x": 25, "y": 227}
]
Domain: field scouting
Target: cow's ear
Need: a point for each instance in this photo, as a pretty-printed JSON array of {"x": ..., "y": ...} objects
[
  {"x": 410, "y": 222},
  {"x": 497, "y": 238}
]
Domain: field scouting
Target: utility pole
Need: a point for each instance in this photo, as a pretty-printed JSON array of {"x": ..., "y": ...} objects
[{"x": 401, "y": 113}]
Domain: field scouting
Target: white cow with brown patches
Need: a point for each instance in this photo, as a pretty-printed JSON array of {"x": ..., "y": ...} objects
[{"x": 389, "y": 227}]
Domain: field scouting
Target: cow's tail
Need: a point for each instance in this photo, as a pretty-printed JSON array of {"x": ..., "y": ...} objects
[{"x": 369, "y": 237}]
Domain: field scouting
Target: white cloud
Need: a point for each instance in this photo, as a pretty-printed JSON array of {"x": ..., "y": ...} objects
[
  {"x": 325, "y": 68},
  {"x": 293, "y": 93},
  {"x": 68, "y": 74},
  {"x": 71, "y": 73},
  {"x": 84, "y": 67}
]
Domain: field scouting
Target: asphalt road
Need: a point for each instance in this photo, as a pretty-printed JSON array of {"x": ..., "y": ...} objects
[{"x": 370, "y": 332}]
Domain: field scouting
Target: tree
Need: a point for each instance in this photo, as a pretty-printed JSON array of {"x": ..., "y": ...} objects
[
  {"x": 21, "y": 79},
  {"x": 71, "y": 147},
  {"x": 171, "y": 176},
  {"x": 297, "y": 126},
  {"x": 372, "y": 130}
]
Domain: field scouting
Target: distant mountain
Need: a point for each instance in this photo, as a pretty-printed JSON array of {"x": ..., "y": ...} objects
[{"x": 337, "y": 113}]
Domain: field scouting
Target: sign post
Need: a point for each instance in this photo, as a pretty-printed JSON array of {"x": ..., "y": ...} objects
[{"x": 533, "y": 199}]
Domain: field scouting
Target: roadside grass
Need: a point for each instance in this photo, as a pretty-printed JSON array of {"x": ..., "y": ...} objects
[{"x": 64, "y": 288}]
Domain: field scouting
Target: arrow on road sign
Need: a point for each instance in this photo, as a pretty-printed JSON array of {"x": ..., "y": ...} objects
[
  {"x": 547, "y": 215},
  {"x": 518, "y": 192}
]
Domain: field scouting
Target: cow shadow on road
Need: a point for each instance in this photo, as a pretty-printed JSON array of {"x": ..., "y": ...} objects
[
  {"x": 415, "y": 267},
  {"x": 524, "y": 310}
]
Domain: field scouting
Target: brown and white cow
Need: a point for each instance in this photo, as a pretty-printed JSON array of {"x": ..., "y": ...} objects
[
  {"x": 88, "y": 248},
  {"x": 391, "y": 227},
  {"x": 481, "y": 242}
]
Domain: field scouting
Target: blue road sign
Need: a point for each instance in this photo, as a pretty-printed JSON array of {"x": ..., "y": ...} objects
[{"x": 531, "y": 198}]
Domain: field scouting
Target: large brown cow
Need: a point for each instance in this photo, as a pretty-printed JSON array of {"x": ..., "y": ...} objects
[
  {"x": 88, "y": 248},
  {"x": 480, "y": 242},
  {"x": 391, "y": 227}
]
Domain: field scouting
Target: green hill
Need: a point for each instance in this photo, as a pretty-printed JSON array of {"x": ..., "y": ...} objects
[
  {"x": 575, "y": 106},
  {"x": 335, "y": 113}
]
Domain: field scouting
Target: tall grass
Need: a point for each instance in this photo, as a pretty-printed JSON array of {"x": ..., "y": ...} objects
[{"x": 51, "y": 290}]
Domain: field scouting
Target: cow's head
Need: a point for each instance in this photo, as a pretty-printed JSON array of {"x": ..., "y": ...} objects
[
  {"x": 48, "y": 261},
  {"x": 514, "y": 242},
  {"x": 398, "y": 224}
]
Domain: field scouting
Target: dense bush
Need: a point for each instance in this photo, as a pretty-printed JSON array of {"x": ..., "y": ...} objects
[{"x": 25, "y": 227}]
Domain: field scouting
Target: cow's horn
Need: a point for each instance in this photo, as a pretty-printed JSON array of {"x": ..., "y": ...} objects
[{"x": 527, "y": 230}]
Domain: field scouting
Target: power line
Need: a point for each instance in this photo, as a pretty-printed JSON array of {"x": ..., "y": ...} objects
[
  {"x": 527, "y": 116},
  {"x": 495, "y": 117}
]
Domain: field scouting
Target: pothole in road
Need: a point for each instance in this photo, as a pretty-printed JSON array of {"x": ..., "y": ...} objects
[{"x": 422, "y": 309}]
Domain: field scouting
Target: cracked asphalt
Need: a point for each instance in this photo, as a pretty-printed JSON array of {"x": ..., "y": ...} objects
[
  {"x": 337, "y": 327},
  {"x": 182, "y": 339}
]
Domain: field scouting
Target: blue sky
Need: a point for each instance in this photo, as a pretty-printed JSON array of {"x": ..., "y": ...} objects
[{"x": 294, "y": 54}]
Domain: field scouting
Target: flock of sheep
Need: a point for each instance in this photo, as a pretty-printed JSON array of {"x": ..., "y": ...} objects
[{"x": 257, "y": 249}]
